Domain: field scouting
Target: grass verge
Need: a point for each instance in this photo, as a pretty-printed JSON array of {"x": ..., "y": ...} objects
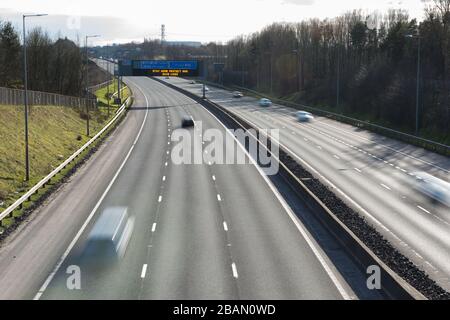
[
  {"x": 103, "y": 96},
  {"x": 53, "y": 139}
]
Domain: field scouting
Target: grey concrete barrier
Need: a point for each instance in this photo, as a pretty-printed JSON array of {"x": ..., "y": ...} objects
[{"x": 393, "y": 285}]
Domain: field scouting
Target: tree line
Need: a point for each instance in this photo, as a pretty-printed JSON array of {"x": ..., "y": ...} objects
[
  {"x": 53, "y": 65},
  {"x": 359, "y": 64}
]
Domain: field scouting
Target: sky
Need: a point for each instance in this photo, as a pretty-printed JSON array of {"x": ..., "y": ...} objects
[{"x": 185, "y": 20}]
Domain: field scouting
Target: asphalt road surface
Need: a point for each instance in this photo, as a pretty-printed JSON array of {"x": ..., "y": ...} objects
[
  {"x": 201, "y": 231},
  {"x": 370, "y": 172}
]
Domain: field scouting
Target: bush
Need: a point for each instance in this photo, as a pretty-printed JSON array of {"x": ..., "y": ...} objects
[{"x": 3, "y": 195}]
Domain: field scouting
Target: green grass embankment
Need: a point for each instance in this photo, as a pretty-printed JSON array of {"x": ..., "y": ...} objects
[
  {"x": 54, "y": 134},
  {"x": 102, "y": 95}
]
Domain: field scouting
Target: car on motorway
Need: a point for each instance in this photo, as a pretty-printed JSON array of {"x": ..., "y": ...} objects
[
  {"x": 110, "y": 235},
  {"x": 187, "y": 122},
  {"x": 304, "y": 116},
  {"x": 206, "y": 88},
  {"x": 436, "y": 189},
  {"x": 264, "y": 102},
  {"x": 237, "y": 94},
  {"x": 192, "y": 82}
]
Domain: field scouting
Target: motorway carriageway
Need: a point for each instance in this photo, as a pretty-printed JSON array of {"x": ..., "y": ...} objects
[
  {"x": 201, "y": 231},
  {"x": 370, "y": 172}
]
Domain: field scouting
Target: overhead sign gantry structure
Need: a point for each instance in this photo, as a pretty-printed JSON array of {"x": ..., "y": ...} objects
[{"x": 155, "y": 68}]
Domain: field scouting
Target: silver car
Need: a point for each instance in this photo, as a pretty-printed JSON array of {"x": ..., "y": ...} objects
[
  {"x": 110, "y": 235},
  {"x": 304, "y": 116},
  {"x": 264, "y": 102},
  {"x": 435, "y": 188}
]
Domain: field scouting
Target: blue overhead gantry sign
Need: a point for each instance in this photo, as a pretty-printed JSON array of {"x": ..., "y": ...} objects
[{"x": 178, "y": 68}]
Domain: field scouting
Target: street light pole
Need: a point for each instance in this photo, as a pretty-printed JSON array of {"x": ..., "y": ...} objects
[
  {"x": 87, "y": 83},
  {"x": 243, "y": 74},
  {"x": 205, "y": 68},
  {"x": 418, "y": 85},
  {"x": 297, "y": 57},
  {"x": 417, "y": 78},
  {"x": 338, "y": 77},
  {"x": 107, "y": 71},
  {"x": 25, "y": 84},
  {"x": 271, "y": 75},
  {"x": 271, "y": 70}
]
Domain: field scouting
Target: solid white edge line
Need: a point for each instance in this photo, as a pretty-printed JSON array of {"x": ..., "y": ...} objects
[
  {"x": 91, "y": 215},
  {"x": 293, "y": 217},
  {"x": 376, "y": 221},
  {"x": 327, "y": 181},
  {"x": 385, "y": 186},
  {"x": 386, "y": 146},
  {"x": 346, "y": 196}
]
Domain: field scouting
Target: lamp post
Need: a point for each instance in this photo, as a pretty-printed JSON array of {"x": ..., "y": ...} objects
[
  {"x": 297, "y": 54},
  {"x": 25, "y": 84},
  {"x": 338, "y": 76},
  {"x": 107, "y": 71},
  {"x": 418, "y": 37},
  {"x": 87, "y": 83},
  {"x": 271, "y": 70},
  {"x": 243, "y": 74}
]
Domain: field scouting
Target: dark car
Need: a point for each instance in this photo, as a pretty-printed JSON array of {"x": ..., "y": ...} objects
[{"x": 187, "y": 122}]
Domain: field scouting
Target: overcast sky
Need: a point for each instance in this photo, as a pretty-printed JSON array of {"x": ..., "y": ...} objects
[{"x": 197, "y": 20}]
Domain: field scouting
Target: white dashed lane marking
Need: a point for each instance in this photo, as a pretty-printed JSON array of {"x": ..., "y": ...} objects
[
  {"x": 144, "y": 271},
  {"x": 423, "y": 209},
  {"x": 233, "y": 267},
  {"x": 358, "y": 149}
]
